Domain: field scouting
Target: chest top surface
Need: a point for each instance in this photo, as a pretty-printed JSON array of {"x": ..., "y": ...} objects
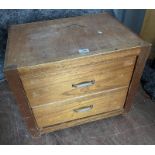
[{"x": 55, "y": 40}]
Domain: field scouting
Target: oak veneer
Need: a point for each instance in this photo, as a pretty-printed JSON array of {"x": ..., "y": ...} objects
[
  {"x": 57, "y": 86},
  {"x": 56, "y": 113},
  {"x": 44, "y": 85}
]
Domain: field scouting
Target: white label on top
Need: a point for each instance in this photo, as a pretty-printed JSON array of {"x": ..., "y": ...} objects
[{"x": 84, "y": 50}]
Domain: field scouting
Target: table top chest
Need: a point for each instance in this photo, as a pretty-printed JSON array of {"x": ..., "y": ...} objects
[{"x": 75, "y": 70}]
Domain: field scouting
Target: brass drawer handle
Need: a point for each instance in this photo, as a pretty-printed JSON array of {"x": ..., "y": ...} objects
[
  {"x": 83, "y": 109},
  {"x": 84, "y": 84}
]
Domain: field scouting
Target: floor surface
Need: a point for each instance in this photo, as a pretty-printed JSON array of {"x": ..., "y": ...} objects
[{"x": 136, "y": 127}]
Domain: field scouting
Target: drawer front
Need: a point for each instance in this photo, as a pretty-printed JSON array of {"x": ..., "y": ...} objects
[
  {"x": 56, "y": 83},
  {"x": 53, "y": 114}
]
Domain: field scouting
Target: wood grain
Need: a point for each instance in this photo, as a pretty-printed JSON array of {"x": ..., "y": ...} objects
[
  {"x": 81, "y": 121},
  {"x": 52, "y": 84},
  {"x": 43, "y": 67},
  {"x": 135, "y": 81},
  {"x": 17, "y": 88},
  {"x": 74, "y": 62},
  {"x": 49, "y": 41},
  {"x": 56, "y": 113}
]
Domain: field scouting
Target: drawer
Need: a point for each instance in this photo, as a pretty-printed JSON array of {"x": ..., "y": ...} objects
[
  {"x": 60, "y": 112},
  {"x": 62, "y": 82}
]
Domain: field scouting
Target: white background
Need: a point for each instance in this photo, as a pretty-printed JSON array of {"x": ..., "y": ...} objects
[{"x": 77, "y": 4}]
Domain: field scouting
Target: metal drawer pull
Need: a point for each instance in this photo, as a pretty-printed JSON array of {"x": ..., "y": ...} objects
[
  {"x": 84, "y": 109},
  {"x": 84, "y": 84}
]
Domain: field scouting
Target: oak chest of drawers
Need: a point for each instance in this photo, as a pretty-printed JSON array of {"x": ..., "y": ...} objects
[{"x": 71, "y": 71}]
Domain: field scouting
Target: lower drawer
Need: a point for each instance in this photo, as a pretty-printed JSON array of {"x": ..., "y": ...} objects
[{"x": 60, "y": 112}]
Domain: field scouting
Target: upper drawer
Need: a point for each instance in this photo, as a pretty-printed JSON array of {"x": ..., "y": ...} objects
[{"x": 61, "y": 81}]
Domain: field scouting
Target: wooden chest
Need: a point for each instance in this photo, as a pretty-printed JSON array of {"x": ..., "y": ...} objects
[{"x": 75, "y": 70}]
